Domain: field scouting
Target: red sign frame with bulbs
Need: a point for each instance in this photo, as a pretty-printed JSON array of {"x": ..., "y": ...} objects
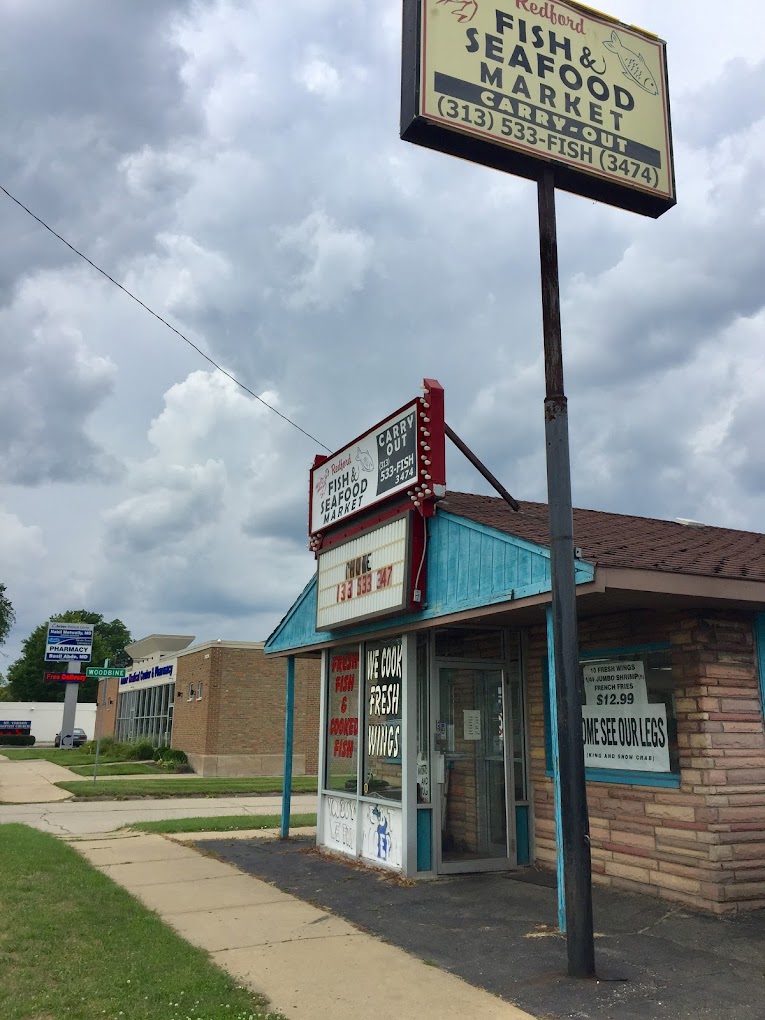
[
  {"x": 397, "y": 468},
  {"x": 398, "y": 462}
]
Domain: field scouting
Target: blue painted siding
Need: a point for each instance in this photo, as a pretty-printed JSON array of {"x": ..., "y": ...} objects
[
  {"x": 522, "y": 834},
  {"x": 424, "y": 839},
  {"x": 469, "y": 566}
]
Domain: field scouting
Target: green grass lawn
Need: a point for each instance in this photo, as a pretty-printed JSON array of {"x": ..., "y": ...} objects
[
  {"x": 59, "y": 756},
  {"x": 74, "y": 945},
  {"x": 222, "y": 823},
  {"x": 182, "y": 787},
  {"x": 119, "y": 768}
]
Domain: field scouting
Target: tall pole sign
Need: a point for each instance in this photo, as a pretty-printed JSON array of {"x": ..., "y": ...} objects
[
  {"x": 71, "y": 643},
  {"x": 572, "y": 99},
  {"x": 515, "y": 85}
]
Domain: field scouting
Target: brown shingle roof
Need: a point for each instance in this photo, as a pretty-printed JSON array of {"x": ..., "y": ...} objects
[{"x": 618, "y": 540}]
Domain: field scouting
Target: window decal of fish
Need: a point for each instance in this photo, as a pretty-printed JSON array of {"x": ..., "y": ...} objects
[
  {"x": 464, "y": 10},
  {"x": 633, "y": 64}
]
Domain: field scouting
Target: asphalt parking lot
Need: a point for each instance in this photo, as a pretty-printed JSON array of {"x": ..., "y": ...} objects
[{"x": 654, "y": 960}]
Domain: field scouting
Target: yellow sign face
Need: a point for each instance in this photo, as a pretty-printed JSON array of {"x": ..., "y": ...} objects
[{"x": 551, "y": 81}]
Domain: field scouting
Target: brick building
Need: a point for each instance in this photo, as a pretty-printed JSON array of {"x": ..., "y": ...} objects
[
  {"x": 222, "y": 702},
  {"x": 230, "y": 708},
  {"x": 447, "y": 765}
]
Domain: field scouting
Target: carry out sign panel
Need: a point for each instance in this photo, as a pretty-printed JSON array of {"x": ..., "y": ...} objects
[
  {"x": 404, "y": 453},
  {"x": 69, "y": 642},
  {"x": 514, "y": 84}
]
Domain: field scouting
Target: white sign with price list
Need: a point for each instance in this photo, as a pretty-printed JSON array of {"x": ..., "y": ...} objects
[{"x": 611, "y": 684}]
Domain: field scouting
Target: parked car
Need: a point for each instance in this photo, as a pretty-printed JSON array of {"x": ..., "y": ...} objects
[{"x": 78, "y": 738}]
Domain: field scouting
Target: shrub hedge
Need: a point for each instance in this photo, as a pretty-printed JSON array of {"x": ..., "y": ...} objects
[{"x": 170, "y": 757}]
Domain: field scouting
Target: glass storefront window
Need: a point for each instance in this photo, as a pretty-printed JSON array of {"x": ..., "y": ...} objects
[
  {"x": 384, "y": 709},
  {"x": 628, "y": 714},
  {"x": 343, "y": 718},
  {"x": 468, "y": 643},
  {"x": 146, "y": 714}
]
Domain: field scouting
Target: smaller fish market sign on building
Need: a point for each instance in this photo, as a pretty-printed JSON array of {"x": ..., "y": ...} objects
[
  {"x": 510, "y": 83},
  {"x": 375, "y": 466}
]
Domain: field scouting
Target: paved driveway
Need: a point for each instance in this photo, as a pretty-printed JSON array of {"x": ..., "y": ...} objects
[{"x": 655, "y": 961}]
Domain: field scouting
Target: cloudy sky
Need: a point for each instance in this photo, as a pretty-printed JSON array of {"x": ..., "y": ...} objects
[{"x": 238, "y": 166}]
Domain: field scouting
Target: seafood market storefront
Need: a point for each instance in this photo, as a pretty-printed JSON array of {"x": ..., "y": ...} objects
[{"x": 431, "y": 615}]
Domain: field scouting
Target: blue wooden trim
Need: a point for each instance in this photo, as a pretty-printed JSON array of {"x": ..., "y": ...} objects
[
  {"x": 483, "y": 529},
  {"x": 597, "y": 653},
  {"x": 626, "y": 777},
  {"x": 289, "y": 729},
  {"x": 424, "y": 840},
  {"x": 552, "y": 709},
  {"x": 522, "y": 841},
  {"x": 759, "y": 639},
  {"x": 292, "y": 613},
  {"x": 469, "y": 566}
]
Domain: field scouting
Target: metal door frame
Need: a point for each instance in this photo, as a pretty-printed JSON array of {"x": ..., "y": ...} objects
[{"x": 510, "y": 862}]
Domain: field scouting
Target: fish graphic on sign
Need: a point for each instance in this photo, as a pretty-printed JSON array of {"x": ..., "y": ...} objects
[
  {"x": 364, "y": 458},
  {"x": 321, "y": 483},
  {"x": 633, "y": 64},
  {"x": 463, "y": 10}
]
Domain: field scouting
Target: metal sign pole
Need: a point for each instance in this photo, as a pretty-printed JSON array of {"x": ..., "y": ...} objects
[
  {"x": 70, "y": 709},
  {"x": 576, "y": 837},
  {"x": 100, "y": 722}
]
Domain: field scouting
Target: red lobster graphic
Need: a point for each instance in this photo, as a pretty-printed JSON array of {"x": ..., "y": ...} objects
[{"x": 464, "y": 10}]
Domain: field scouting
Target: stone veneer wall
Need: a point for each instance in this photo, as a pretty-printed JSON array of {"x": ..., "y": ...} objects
[{"x": 704, "y": 843}]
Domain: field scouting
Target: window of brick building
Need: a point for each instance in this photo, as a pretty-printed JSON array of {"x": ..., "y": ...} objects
[
  {"x": 629, "y": 724},
  {"x": 199, "y": 690}
]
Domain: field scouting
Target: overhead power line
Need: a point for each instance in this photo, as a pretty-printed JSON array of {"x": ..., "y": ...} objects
[{"x": 156, "y": 315}]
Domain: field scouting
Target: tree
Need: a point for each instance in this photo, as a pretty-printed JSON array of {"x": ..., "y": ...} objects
[
  {"x": 26, "y": 677},
  {"x": 7, "y": 615}
]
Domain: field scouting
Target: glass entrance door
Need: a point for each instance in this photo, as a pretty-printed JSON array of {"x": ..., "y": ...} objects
[{"x": 476, "y": 798}]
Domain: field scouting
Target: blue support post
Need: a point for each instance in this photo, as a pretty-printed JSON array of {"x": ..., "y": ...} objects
[
  {"x": 556, "y": 771},
  {"x": 289, "y": 727}
]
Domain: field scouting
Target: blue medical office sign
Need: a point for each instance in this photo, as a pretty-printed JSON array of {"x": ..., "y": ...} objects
[{"x": 69, "y": 642}]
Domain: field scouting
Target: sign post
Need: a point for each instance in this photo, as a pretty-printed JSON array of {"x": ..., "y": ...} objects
[
  {"x": 70, "y": 708},
  {"x": 573, "y": 792},
  {"x": 71, "y": 643},
  {"x": 105, "y": 673},
  {"x": 570, "y": 98}
]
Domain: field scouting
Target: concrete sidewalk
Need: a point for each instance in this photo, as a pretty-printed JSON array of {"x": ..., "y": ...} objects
[
  {"x": 88, "y": 817},
  {"x": 32, "y": 781},
  {"x": 310, "y": 963}
]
